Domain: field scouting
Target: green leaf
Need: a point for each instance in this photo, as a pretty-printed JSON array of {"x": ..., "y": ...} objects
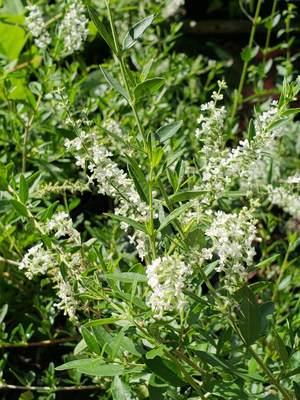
[
  {"x": 94, "y": 288},
  {"x": 90, "y": 367},
  {"x": 3, "y": 184},
  {"x": 157, "y": 388},
  {"x": 24, "y": 190},
  {"x": 120, "y": 390},
  {"x": 220, "y": 363},
  {"x": 280, "y": 348},
  {"x": 113, "y": 135},
  {"x": 47, "y": 214},
  {"x": 128, "y": 221},
  {"x": 101, "y": 29},
  {"x": 146, "y": 70},
  {"x": 26, "y": 396},
  {"x": 227, "y": 390},
  {"x": 106, "y": 340},
  {"x": 266, "y": 311},
  {"x": 297, "y": 390},
  {"x": 11, "y": 7},
  {"x": 33, "y": 178},
  {"x": 117, "y": 343},
  {"x": 277, "y": 124},
  {"x": 13, "y": 37},
  {"x": 114, "y": 83},
  {"x": 103, "y": 321},
  {"x": 250, "y": 320},
  {"x": 47, "y": 241},
  {"x": 136, "y": 32},
  {"x": 251, "y": 130},
  {"x": 195, "y": 238},
  {"x": 164, "y": 370},
  {"x": 90, "y": 341},
  {"x": 3, "y": 312},
  {"x": 294, "y": 372},
  {"x": 174, "y": 214},
  {"x": 186, "y": 195},
  {"x": 155, "y": 352},
  {"x": 247, "y": 54},
  {"x": 166, "y": 131},
  {"x": 147, "y": 87},
  {"x": 74, "y": 364},
  {"x": 291, "y": 111},
  {"x": 267, "y": 261},
  {"x": 19, "y": 207},
  {"x": 157, "y": 156},
  {"x": 81, "y": 346},
  {"x": 140, "y": 184},
  {"x": 128, "y": 277}
]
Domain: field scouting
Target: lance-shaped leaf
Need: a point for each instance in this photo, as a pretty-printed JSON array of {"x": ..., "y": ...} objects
[
  {"x": 146, "y": 70},
  {"x": 147, "y": 87},
  {"x": 128, "y": 277},
  {"x": 3, "y": 184},
  {"x": 174, "y": 214},
  {"x": 136, "y": 32},
  {"x": 166, "y": 131},
  {"x": 140, "y": 184},
  {"x": 90, "y": 341},
  {"x": 250, "y": 320},
  {"x": 114, "y": 83},
  {"x": 128, "y": 221},
  {"x": 187, "y": 195},
  {"x": 19, "y": 207},
  {"x": 24, "y": 190},
  {"x": 101, "y": 29}
]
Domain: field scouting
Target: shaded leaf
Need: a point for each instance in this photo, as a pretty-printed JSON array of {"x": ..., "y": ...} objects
[
  {"x": 163, "y": 369},
  {"x": 165, "y": 132},
  {"x": 114, "y": 83},
  {"x": 147, "y": 87},
  {"x": 101, "y": 29},
  {"x": 136, "y": 32},
  {"x": 19, "y": 207},
  {"x": 174, "y": 214},
  {"x": 128, "y": 277},
  {"x": 250, "y": 320},
  {"x": 128, "y": 221}
]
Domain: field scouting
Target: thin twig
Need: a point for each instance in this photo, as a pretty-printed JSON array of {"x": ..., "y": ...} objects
[
  {"x": 53, "y": 389},
  {"x": 43, "y": 342}
]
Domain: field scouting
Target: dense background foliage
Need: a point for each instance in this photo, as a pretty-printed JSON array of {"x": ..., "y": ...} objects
[{"x": 36, "y": 333}]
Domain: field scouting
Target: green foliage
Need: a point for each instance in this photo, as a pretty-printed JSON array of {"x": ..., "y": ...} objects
[{"x": 215, "y": 337}]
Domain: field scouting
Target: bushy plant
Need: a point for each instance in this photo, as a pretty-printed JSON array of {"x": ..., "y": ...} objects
[{"x": 183, "y": 284}]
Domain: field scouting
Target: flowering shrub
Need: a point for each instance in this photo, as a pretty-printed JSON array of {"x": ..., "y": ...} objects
[{"x": 157, "y": 282}]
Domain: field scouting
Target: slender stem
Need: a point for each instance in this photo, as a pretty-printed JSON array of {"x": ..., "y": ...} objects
[
  {"x": 269, "y": 32},
  {"x": 123, "y": 72},
  {"x": 210, "y": 287},
  {"x": 170, "y": 207},
  {"x": 244, "y": 71},
  {"x": 187, "y": 376},
  {"x": 42, "y": 343},
  {"x": 282, "y": 269},
  {"x": 271, "y": 377},
  {"x": 52, "y": 389}
]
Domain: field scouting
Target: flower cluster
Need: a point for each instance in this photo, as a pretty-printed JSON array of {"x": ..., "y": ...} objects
[
  {"x": 61, "y": 223},
  {"x": 222, "y": 165},
  {"x": 232, "y": 236},
  {"x": 74, "y": 27},
  {"x": 37, "y": 261},
  {"x": 111, "y": 180},
  {"x": 167, "y": 278},
  {"x": 285, "y": 198},
  {"x": 37, "y": 27}
]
